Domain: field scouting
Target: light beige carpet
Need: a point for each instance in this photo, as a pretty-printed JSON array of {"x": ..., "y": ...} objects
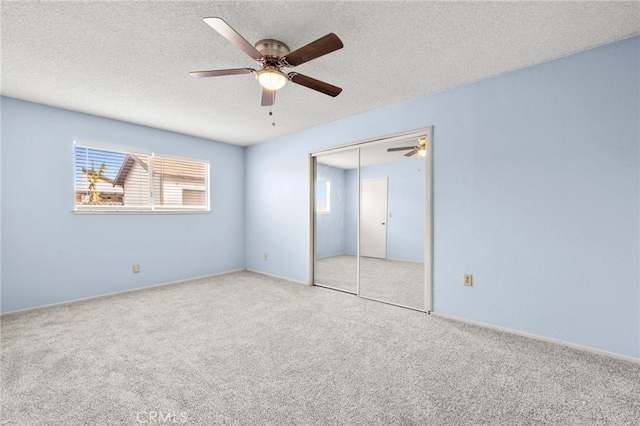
[
  {"x": 244, "y": 349},
  {"x": 391, "y": 281}
]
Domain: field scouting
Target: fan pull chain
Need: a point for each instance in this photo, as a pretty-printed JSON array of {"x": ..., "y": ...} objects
[{"x": 273, "y": 123}]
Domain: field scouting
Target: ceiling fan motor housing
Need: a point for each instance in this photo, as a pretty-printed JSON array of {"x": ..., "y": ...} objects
[{"x": 272, "y": 50}]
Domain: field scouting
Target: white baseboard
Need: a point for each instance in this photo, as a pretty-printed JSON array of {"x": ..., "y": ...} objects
[
  {"x": 333, "y": 255},
  {"x": 277, "y": 276},
  {"x": 82, "y": 299},
  {"x": 537, "y": 337},
  {"x": 404, "y": 260}
]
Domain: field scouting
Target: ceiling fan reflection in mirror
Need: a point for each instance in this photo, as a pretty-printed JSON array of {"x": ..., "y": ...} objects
[
  {"x": 418, "y": 149},
  {"x": 272, "y": 56}
]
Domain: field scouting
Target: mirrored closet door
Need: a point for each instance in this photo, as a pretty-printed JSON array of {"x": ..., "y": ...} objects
[
  {"x": 372, "y": 219},
  {"x": 336, "y": 220},
  {"x": 392, "y": 223}
]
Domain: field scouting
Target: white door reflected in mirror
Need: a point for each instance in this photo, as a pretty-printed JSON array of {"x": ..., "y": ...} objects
[{"x": 373, "y": 214}]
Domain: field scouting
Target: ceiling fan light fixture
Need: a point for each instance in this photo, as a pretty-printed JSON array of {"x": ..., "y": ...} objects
[
  {"x": 271, "y": 78},
  {"x": 422, "y": 147}
]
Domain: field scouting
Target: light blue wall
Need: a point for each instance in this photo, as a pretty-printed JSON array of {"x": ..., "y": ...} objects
[
  {"x": 50, "y": 254},
  {"x": 351, "y": 213},
  {"x": 0, "y": 211},
  {"x": 536, "y": 186},
  {"x": 330, "y": 227}
]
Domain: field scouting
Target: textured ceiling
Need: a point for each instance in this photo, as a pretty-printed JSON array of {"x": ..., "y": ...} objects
[{"x": 131, "y": 60}]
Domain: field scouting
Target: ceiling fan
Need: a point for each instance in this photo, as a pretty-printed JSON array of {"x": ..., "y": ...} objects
[
  {"x": 418, "y": 149},
  {"x": 273, "y": 55}
]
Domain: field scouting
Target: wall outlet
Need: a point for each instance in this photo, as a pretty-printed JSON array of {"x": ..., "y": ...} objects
[
  {"x": 136, "y": 268},
  {"x": 467, "y": 279},
  {"x": 266, "y": 257}
]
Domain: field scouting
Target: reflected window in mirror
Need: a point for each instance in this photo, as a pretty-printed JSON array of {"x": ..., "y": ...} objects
[{"x": 323, "y": 196}]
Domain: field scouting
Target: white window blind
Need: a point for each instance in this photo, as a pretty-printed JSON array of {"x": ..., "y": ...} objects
[
  {"x": 109, "y": 180},
  {"x": 179, "y": 183}
]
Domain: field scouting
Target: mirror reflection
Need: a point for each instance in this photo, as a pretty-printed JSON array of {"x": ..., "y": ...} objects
[
  {"x": 392, "y": 222},
  {"x": 336, "y": 220},
  {"x": 370, "y": 221}
]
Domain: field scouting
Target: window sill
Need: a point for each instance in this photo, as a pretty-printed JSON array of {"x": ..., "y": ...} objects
[{"x": 139, "y": 212}]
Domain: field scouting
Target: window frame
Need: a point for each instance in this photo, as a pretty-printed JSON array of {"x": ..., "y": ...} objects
[{"x": 145, "y": 209}]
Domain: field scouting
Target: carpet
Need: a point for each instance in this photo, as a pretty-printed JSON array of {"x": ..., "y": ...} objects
[
  {"x": 246, "y": 349},
  {"x": 393, "y": 281}
]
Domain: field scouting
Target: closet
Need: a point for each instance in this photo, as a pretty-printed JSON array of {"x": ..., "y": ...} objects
[{"x": 371, "y": 219}]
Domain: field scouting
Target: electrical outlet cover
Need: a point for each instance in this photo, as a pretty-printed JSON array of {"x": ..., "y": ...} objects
[{"x": 468, "y": 279}]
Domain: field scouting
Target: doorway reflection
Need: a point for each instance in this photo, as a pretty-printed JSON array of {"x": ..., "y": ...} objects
[
  {"x": 336, "y": 209},
  {"x": 392, "y": 223}
]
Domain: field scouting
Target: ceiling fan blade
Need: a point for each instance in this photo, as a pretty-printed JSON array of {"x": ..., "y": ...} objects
[
  {"x": 412, "y": 153},
  {"x": 314, "y": 84},
  {"x": 268, "y": 97},
  {"x": 230, "y": 34},
  {"x": 217, "y": 73},
  {"x": 404, "y": 148},
  {"x": 313, "y": 50}
]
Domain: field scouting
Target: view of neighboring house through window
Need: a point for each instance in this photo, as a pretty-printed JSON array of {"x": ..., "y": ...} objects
[{"x": 113, "y": 180}]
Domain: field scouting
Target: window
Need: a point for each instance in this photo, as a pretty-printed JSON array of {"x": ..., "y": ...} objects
[
  {"x": 108, "y": 180},
  {"x": 323, "y": 196}
]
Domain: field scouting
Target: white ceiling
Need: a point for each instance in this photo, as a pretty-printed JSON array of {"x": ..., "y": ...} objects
[{"x": 131, "y": 60}]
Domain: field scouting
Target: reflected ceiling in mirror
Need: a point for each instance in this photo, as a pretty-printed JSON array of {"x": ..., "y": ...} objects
[
  {"x": 376, "y": 154},
  {"x": 346, "y": 160}
]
